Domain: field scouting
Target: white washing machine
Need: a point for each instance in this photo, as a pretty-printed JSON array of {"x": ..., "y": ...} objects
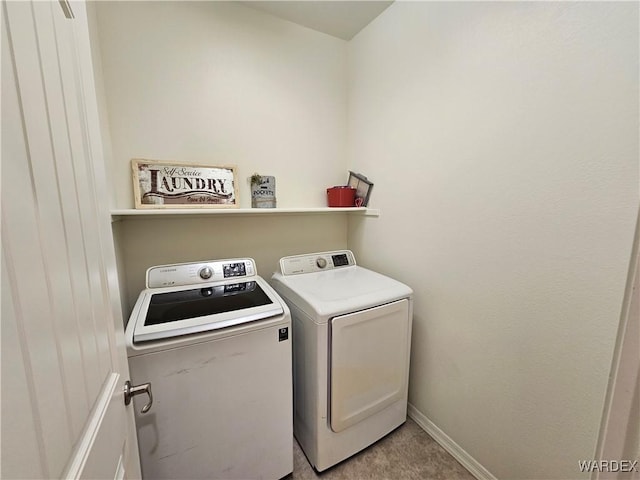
[
  {"x": 351, "y": 345},
  {"x": 213, "y": 340}
]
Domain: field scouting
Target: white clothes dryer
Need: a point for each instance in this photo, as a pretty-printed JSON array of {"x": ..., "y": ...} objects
[{"x": 351, "y": 330}]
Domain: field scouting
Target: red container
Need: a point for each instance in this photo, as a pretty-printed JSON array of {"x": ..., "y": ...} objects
[{"x": 341, "y": 196}]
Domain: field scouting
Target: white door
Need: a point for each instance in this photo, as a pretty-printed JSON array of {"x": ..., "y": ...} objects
[
  {"x": 63, "y": 358},
  {"x": 369, "y": 362},
  {"x": 619, "y": 437}
]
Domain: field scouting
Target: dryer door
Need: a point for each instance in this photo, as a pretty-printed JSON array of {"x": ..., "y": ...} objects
[{"x": 369, "y": 362}]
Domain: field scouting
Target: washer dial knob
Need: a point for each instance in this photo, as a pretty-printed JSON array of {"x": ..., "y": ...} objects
[
  {"x": 321, "y": 262},
  {"x": 205, "y": 273}
]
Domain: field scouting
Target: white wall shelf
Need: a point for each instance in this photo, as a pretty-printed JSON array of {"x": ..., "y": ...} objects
[{"x": 131, "y": 213}]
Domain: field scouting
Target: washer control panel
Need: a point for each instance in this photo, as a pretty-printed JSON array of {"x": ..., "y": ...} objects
[
  {"x": 316, "y": 262},
  {"x": 199, "y": 272}
]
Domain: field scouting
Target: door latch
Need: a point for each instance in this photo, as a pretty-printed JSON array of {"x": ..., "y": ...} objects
[{"x": 131, "y": 391}]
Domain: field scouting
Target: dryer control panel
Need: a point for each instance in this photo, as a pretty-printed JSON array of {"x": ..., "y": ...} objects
[{"x": 316, "y": 262}]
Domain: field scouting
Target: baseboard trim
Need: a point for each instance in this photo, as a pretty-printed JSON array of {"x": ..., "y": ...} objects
[{"x": 467, "y": 461}]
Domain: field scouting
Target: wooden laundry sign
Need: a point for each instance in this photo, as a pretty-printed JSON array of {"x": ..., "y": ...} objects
[{"x": 176, "y": 185}]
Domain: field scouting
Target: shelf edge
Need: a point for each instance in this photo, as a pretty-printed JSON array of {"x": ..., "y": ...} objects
[{"x": 119, "y": 214}]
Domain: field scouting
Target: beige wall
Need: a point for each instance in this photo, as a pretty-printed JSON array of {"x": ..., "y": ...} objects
[
  {"x": 145, "y": 243},
  {"x": 219, "y": 83},
  {"x": 503, "y": 140}
]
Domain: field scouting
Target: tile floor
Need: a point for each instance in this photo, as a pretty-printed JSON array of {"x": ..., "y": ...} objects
[{"x": 406, "y": 453}]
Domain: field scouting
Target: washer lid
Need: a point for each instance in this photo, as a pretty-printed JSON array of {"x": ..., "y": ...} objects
[
  {"x": 179, "y": 305},
  {"x": 175, "y": 311},
  {"x": 334, "y": 292}
]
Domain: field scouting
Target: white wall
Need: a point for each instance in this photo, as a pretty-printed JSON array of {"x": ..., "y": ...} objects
[
  {"x": 218, "y": 83},
  {"x": 266, "y": 239},
  {"x": 503, "y": 142}
]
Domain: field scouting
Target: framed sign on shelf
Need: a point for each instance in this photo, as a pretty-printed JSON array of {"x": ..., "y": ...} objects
[
  {"x": 159, "y": 184},
  {"x": 363, "y": 188}
]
